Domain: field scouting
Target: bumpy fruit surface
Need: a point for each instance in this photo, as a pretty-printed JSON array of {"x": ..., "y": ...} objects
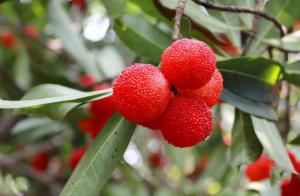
[
  {"x": 141, "y": 93},
  {"x": 260, "y": 169},
  {"x": 188, "y": 63},
  {"x": 75, "y": 157},
  {"x": 210, "y": 92},
  {"x": 186, "y": 122},
  {"x": 40, "y": 161}
]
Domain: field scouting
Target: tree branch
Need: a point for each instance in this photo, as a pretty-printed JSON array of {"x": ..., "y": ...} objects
[
  {"x": 178, "y": 16},
  {"x": 236, "y": 9}
]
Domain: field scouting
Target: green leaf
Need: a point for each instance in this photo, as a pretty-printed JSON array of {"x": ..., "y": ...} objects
[
  {"x": 285, "y": 11},
  {"x": 62, "y": 27},
  {"x": 114, "y": 8},
  {"x": 100, "y": 160},
  {"x": 270, "y": 139},
  {"x": 21, "y": 69},
  {"x": 199, "y": 15},
  {"x": 245, "y": 146},
  {"x": 186, "y": 27},
  {"x": 145, "y": 39},
  {"x": 251, "y": 77},
  {"x": 35, "y": 129},
  {"x": 289, "y": 42},
  {"x": 51, "y": 100},
  {"x": 249, "y": 106},
  {"x": 259, "y": 68},
  {"x": 292, "y": 73}
]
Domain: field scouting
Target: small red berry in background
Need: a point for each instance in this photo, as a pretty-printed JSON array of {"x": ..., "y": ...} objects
[
  {"x": 155, "y": 159},
  {"x": 31, "y": 31},
  {"x": 81, "y": 4},
  {"x": 188, "y": 63},
  {"x": 260, "y": 169},
  {"x": 186, "y": 122},
  {"x": 87, "y": 80},
  {"x": 40, "y": 161},
  {"x": 291, "y": 187},
  {"x": 75, "y": 157},
  {"x": 7, "y": 39},
  {"x": 141, "y": 93},
  {"x": 101, "y": 111},
  {"x": 210, "y": 92}
]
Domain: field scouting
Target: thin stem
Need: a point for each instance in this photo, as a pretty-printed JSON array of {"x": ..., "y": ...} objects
[
  {"x": 243, "y": 10},
  {"x": 178, "y": 16}
]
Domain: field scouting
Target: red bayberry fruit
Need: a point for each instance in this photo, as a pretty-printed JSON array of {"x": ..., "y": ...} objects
[
  {"x": 141, "y": 93},
  {"x": 92, "y": 126},
  {"x": 31, "y": 31},
  {"x": 188, "y": 63},
  {"x": 210, "y": 92},
  {"x": 260, "y": 169},
  {"x": 186, "y": 122},
  {"x": 75, "y": 157},
  {"x": 87, "y": 80},
  {"x": 40, "y": 161},
  {"x": 81, "y": 4},
  {"x": 291, "y": 187},
  {"x": 155, "y": 159},
  {"x": 7, "y": 39},
  {"x": 103, "y": 108}
]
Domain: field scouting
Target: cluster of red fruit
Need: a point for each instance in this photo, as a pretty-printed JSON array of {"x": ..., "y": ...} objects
[
  {"x": 261, "y": 170},
  {"x": 175, "y": 99}
]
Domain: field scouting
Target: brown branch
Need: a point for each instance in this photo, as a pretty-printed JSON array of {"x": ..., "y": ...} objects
[
  {"x": 236, "y": 9},
  {"x": 178, "y": 16},
  {"x": 254, "y": 29}
]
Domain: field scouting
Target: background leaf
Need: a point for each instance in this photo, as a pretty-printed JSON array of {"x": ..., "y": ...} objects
[
  {"x": 147, "y": 40},
  {"x": 292, "y": 73},
  {"x": 270, "y": 139},
  {"x": 245, "y": 147},
  {"x": 115, "y": 8},
  {"x": 101, "y": 158},
  {"x": 62, "y": 27}
]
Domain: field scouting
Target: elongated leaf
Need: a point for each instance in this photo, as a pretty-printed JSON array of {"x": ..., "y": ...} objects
[
  {"x": 62, "y": 27},
  {"x": 114, "y": 8},
  {"x": 289, "y": 42},
  {"x": 249, "y": 106},
  {"x": 245, "y": 146},
  {"x": 270, "y": 139},
  {"x": 251, "y": 77},
  {"x": 292, "y": 73},
  {"x": 147, "y": 40},
  {"x": 259, "y": 68},
  {"x": 51, "y": 100},
  {"x": 285, "y": 11},
  {"x": 199, "y": 15},
  {"x": 101, "y": 158}
]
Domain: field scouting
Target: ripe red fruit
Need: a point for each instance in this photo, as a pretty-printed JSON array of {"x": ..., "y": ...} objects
[
  {"x": 40, "y": 161},
  {"x": 291, "y": 186},
  {"x": 260, "y": 169},
  {"x": 87, "y": 80},
  {"x": 7, "y": 39},
  {"x": 186, "y": 122},
  {"x": 92, "y": 126},
  {"x": 81, "y": 4},
  {"x": 103, "y": 108},
  {"x": 31, "y": 31},
  {"x": 155, "y": 159},
  {"x": 188, "y": 63},
  {"x": 141, "y": 93},
  {"x": 210, "y": 92},
  {"x": 75, "y": 157}
]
